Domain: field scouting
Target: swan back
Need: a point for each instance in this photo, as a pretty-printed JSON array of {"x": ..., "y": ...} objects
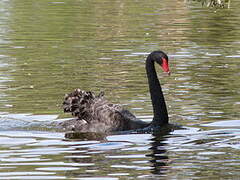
[{"x": 95, "y": 111}]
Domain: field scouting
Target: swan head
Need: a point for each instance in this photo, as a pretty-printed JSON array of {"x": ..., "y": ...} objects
[{"x": 162, "y": 59}]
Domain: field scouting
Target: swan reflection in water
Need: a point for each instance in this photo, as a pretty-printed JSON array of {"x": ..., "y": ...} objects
[
  {"x": 160, "y": 161},
  {"x": 156, "y": 153}
]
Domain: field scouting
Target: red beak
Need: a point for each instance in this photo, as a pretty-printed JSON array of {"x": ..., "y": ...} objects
[{"x": 165, "y": 66}]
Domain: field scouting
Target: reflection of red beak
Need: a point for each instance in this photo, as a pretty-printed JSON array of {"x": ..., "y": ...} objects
[{"x": 165, "y": 66}]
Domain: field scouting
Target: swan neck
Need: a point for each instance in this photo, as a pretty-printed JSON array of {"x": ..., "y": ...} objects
[{"x": 158, "y": 101}]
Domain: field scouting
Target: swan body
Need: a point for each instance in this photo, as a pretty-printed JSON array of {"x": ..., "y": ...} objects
[{"x": 96, "y": 114}]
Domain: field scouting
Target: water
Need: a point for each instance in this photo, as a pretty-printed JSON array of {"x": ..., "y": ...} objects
[{"x": 48, "y": 48}]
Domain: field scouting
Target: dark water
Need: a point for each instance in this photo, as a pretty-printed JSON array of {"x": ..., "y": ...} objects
[{"x": 48, "y": 48}]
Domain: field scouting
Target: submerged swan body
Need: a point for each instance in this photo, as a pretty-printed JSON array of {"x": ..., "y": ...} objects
[{"x": 95, "y": 114}]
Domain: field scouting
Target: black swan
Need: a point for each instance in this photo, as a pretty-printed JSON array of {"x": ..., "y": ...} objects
[{"x": 95, "y": 114}]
